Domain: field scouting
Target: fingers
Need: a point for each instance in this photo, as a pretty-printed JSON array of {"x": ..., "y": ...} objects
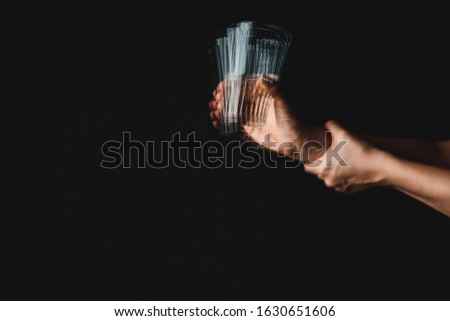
[
  {"x": 216, "y": 100},
  {"x": 338, "y": 187},
  {"x": 316, "y": 167},
  {"x": 267, "y": 85},
  {"x": 215, "y": 117},
  {"x": 219, "y": 87},
  {"x": 336, "y": 128},
  {"x": 215, "y": 104},
  {"x": 217, "y": 93},
  {"x": 214, "y": 114},
  {"x": 262, "y": 91},
  {"x": 333, "y": 125}
]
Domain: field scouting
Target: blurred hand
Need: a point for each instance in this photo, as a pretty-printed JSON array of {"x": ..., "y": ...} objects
[{"x": 281, "y": 126}]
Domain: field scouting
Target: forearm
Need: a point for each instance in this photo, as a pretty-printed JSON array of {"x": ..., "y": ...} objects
[
  {"x": 444, "y": 148},
  {"x": 433, "y": 153},
  {"x": 428, "y": 184}
]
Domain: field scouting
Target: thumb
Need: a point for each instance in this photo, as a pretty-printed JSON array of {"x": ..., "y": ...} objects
[
  {"x": 333, "y": 126},
  {"x": 266, "y": 83}
]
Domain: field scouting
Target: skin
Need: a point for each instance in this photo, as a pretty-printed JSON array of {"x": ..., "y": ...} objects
[
  {"x": 291, "y": 138},
  {"x": 417, "y": 168}
]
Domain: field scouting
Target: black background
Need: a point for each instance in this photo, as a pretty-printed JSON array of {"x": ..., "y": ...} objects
[{"x": 144, "y": 234}]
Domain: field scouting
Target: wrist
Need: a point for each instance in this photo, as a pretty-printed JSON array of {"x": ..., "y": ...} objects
[
  {"x": 311, "y": 143},
  {"x": 385, "y": 168}
]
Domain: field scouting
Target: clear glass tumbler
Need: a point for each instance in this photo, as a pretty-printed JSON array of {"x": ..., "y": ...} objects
[{"x": 243, "y": 54}]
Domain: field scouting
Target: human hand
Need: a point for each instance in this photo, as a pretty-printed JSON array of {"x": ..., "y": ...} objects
[
  {"x": 281, "y": 131},
  {"x": 350, "y": 164}
]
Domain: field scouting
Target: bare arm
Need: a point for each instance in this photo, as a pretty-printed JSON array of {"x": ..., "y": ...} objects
[
  {"x": 428, "y": 184},
  {"x": 366, "y": 166},
  {"x": 349, "y": 163},
  {"x": 432, "y": 153}
]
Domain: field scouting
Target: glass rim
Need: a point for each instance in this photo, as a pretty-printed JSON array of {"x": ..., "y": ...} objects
[{"x": 274, "y": 31}]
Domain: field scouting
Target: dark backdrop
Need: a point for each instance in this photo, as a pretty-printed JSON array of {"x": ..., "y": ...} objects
[{"x": 91, "y": 233}]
